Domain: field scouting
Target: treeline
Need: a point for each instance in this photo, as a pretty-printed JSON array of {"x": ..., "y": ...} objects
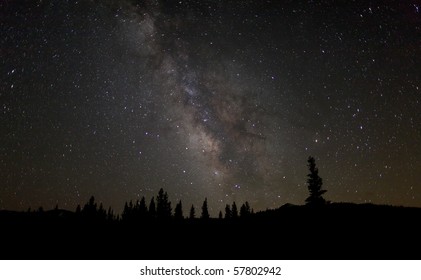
[{"x": 158, "y": 208}]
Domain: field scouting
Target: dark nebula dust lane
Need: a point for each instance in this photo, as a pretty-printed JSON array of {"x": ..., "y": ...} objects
[{"x": 217, "y": 99}]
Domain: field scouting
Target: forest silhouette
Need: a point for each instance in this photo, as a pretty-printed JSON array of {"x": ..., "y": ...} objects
[{"x": 319, "y": 229}]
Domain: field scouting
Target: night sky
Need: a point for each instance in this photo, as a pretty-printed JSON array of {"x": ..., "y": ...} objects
[{"x": 217, "y": 99}]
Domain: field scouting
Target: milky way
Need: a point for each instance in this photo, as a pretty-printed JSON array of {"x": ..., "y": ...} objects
[
  {"x": 216, "y": 117},
  {"x": 217, "y": 99}
]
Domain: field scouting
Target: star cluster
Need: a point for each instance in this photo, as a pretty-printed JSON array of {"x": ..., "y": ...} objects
[{"x": 217, "y": 99}]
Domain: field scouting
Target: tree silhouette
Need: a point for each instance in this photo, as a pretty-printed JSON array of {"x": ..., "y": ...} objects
[
  {"x": 234, "y": 211},
  {"x": 130, "y": 211},
  {"x": 227, "y": 212},
  {"x": 101, "y": 213},
  {"x": 192, "y": 212},
  {"x": 245, "y": 210},
  {"x": 178, "y": 211},
  {"x": 163, "y": 205},
  {"x": 205, "y": 212},
  {"x": 126, "y": 212},
  {"x": 110, "y": 214},
  {"x": 152, "y": 208},
  {"x": 137, "y": 211},
  {"x": 90, "y": 208},
  {"x": 314, "y": 184},
  {"x": 142, "y": 210}
]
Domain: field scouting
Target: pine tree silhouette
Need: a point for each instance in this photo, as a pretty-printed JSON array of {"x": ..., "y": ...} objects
[
  {"x": 163, "y": 205},
  {"x": 136, "y": 210},
  {"x": 101, "y": 213},
  {"x": 110, "y": 214},
  {"x": 142, "y": 210},
  {"x": 126, "y": 212},
  {"x": 220, "y": 215},
  {"x": 227, "y": 212},
  {"x": 131, "y": 208},
  {"x": 234, "y": 211},
  {"x": 178, "y": 211},
  {"x": 192, "y": 212},
  {"x": 245, "y": 210},
  {"x": 90, "y": 208},
  {"x": 152, "y": 208},
  {"x": 205, "y": 212},
  {"x": 314, "y": 185}
]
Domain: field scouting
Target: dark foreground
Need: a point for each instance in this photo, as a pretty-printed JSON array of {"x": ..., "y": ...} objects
[{"x": 337, "y": 231}]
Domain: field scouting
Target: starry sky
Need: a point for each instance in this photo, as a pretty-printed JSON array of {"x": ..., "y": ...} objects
[{"x": 217, "y": 99}]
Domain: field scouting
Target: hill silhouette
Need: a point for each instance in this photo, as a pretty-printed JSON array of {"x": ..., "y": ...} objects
[
  {"x": 317, "y": 230},
  {"x": 334, "y": 231}
]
